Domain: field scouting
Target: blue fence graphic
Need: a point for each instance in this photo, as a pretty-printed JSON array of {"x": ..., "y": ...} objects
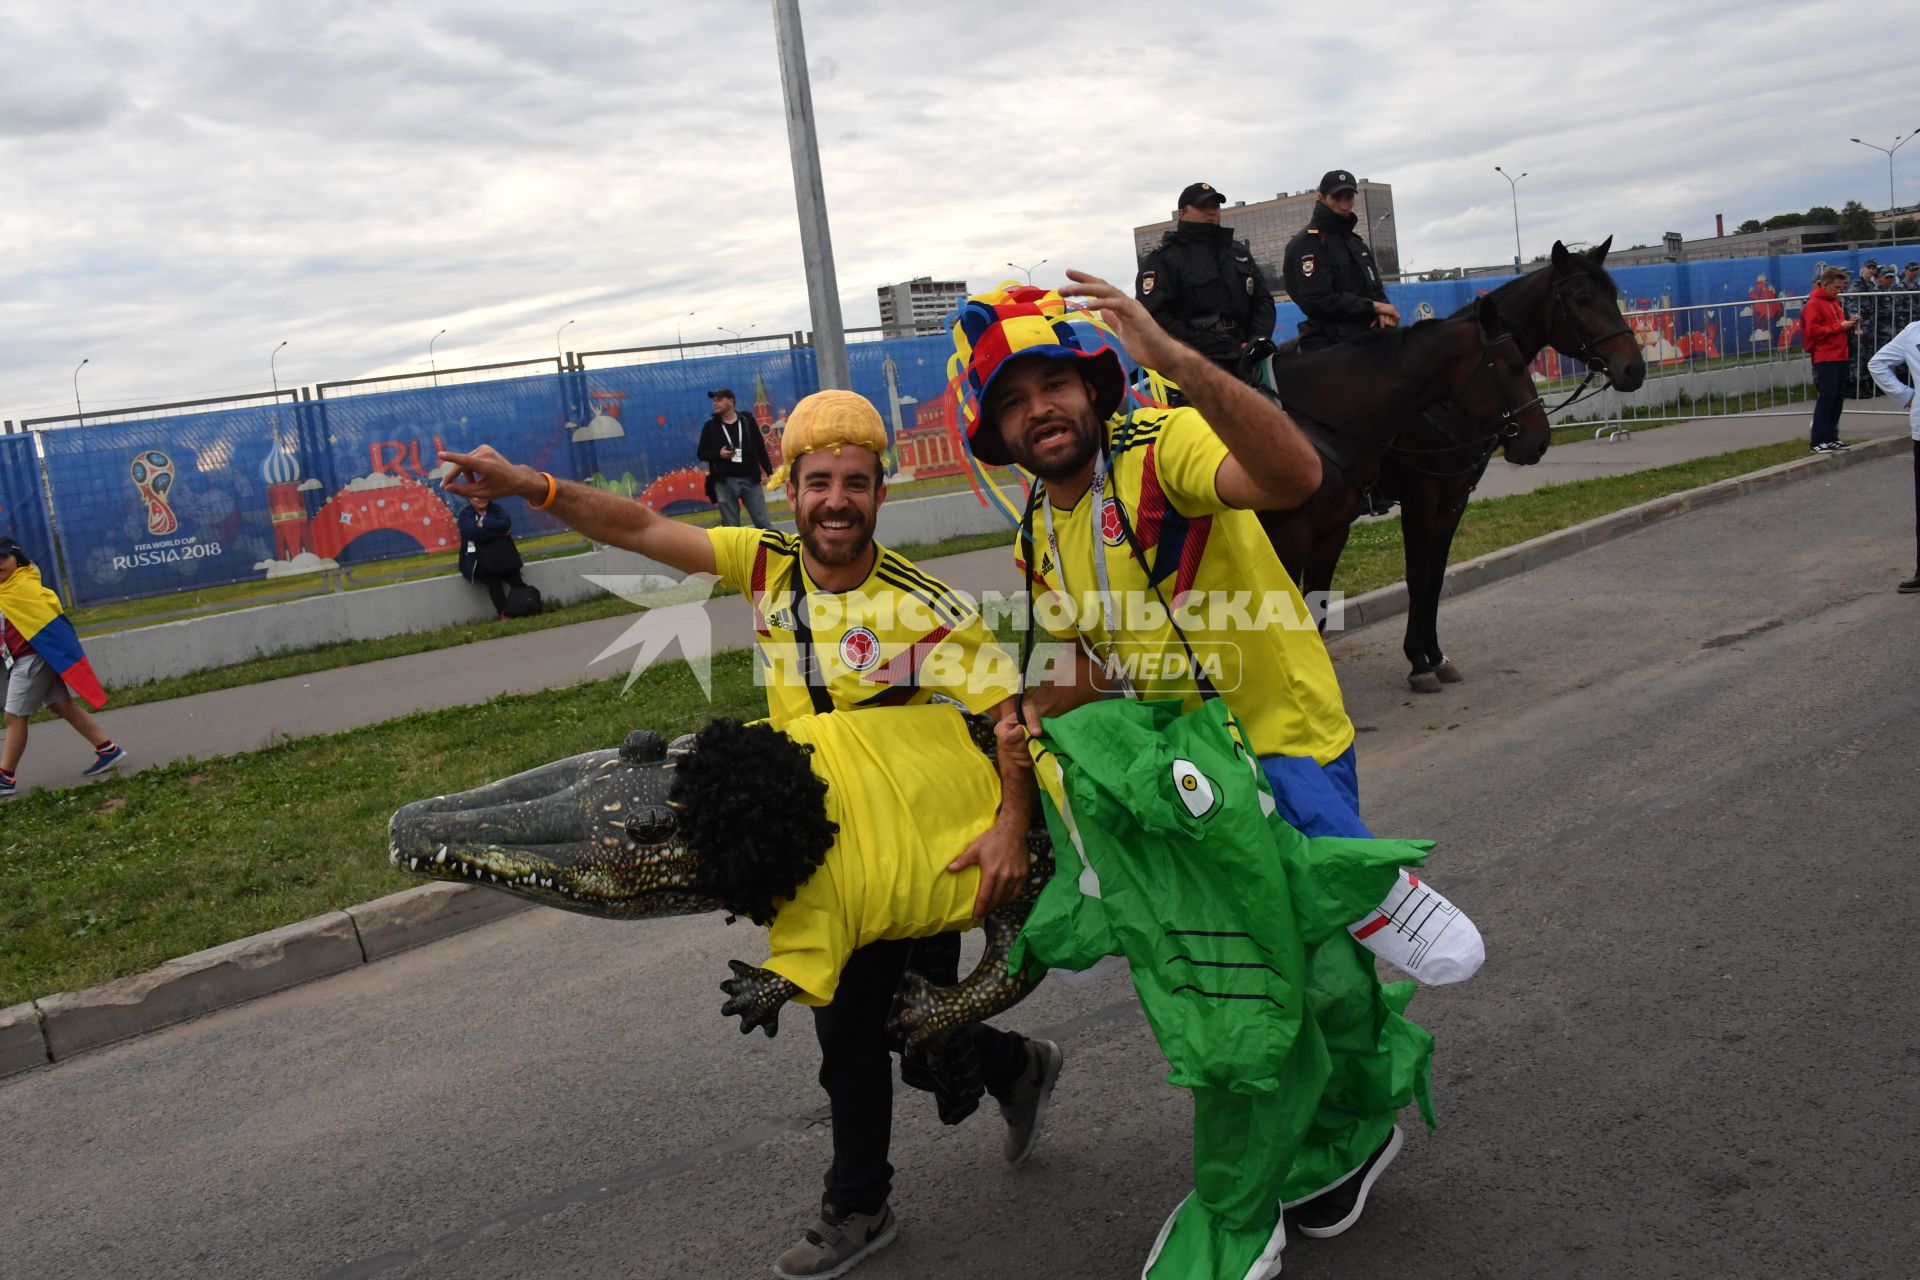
[{"x": 158, "y": 505}]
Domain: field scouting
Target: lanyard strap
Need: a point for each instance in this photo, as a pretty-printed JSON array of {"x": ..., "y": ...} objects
[
  {"x": 809, "y": 658},
  {"x": 1111, "y": 661}
]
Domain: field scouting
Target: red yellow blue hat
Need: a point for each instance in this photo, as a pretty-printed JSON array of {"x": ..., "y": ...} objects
[{"x": 991, "y": 330}]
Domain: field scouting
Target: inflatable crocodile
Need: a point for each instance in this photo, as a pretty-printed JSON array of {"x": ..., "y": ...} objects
[{"x": 620, "y": 834}]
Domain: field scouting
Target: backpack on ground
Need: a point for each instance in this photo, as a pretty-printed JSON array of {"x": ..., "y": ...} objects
[{"x": 523, "y": 602}]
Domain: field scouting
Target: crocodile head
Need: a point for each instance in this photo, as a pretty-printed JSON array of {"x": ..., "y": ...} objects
[{"x": 593, "y": 833}]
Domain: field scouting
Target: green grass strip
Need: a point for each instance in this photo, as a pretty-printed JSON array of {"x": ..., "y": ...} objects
[{"x": 113, "y": 878}]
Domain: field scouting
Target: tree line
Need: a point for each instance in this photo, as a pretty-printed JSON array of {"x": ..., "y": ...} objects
[{"x": 1852, "y": 222}]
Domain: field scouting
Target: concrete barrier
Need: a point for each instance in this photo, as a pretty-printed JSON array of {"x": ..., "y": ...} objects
[{"x": 224, "y": 639}]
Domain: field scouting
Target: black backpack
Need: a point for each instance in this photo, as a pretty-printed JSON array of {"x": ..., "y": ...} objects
[{"x": 523, "y": 602}]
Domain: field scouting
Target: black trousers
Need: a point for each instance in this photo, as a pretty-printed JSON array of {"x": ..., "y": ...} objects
[
  {"x": 856, "y": 1066},
  {"x": 497, "y": 585},
  {"x": 1830, "y": 394},
  {"x": 1916, "y": 508}
]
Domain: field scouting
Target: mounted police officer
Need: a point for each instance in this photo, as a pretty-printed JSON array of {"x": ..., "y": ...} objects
[
  {"x": 1203, "y": 286},
  {"x": 1330, "y": 273},
  {"x": 1331, "y": 277}
]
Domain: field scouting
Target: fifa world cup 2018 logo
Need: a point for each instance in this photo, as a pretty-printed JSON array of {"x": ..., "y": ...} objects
[{"x": 153, "y": 477}]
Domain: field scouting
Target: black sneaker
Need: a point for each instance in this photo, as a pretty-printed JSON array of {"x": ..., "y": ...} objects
[
  {"x": 1025, "y": 1108},
  {"x": 834, "y": 1246},
  {"x": 1911, "y": 585},
  {"x": 1340, "y": 1206},
  {"x": 8, "y": 787}
]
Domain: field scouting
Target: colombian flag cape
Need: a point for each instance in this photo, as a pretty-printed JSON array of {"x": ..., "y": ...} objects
[{"x": 35, "y": 613}]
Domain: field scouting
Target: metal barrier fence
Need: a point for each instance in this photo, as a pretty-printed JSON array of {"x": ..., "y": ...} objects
[
  {"x": 153, "y": 501},
  {"x": 1737, "y": 359}
]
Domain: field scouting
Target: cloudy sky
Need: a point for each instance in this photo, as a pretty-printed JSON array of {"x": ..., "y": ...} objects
[{"x": 185, "y": 185}]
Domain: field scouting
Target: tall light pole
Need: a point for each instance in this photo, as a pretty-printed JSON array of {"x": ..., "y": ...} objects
[
  {"x": 556, "y": 343},
  {"x": 79, "y": 419},
  {"x": 737, "y": 333},
  {"x": 1028, "y": 271},
  {"x": 273, "y": 370},
  {"x": 1514, "y": 184},
  {"x": 433, "y": 368},
  {"x": 810, "y": 194},
  {"x": 1888, "y": 151},
  {"x": 678, "y": 341}
]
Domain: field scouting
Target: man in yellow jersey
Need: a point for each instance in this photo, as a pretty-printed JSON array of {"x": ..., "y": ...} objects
[
  {"x": 1147, "y": 519},
  {"x": 842, "y": 623}
]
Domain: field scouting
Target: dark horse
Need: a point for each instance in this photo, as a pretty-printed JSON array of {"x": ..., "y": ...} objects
[
  {"x": 1436, "y": 461},
  {"x": 1352, "y": 399}
]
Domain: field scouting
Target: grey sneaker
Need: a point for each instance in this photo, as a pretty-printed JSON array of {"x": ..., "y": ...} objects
[
  {"x": 1026, "y": 1109},
  {"x": 834, "y": 1246}
]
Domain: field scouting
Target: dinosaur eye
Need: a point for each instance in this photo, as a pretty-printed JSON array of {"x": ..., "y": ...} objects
[
  {"x": 1193, "y": 788},
  {"x": 650, "y": 824}
]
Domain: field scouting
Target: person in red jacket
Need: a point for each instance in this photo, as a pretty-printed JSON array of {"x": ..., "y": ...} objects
[{"x": 1823, "y": 332}]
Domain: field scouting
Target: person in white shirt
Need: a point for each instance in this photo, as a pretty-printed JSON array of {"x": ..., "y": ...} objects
[{"x": 1904, "y": 350}]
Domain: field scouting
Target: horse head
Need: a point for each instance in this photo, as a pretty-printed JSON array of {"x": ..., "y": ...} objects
[
  {"x": 1499, "y": 389},
  {"x": 1585, "y": 320}
]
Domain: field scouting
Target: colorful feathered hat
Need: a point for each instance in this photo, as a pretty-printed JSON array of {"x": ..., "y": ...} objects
[{"x": 990, "y": 330}]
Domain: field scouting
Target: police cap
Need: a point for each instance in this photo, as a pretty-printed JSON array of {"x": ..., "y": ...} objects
[
  {"x": 1200, "y": 193},
  {"x": 1336, "y": 181}
]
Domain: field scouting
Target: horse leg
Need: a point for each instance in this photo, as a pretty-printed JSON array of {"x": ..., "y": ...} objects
[
  {"x": 1437, "y": 546},
  {"x": 1419, "y": 531}
]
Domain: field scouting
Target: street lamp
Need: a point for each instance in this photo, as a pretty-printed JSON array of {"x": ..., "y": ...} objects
[
  {"x": 1514, "y": 184},
  {"x": 678, "y": 341},
  {"x": 556, "y": 343},
  {"x": 433, "y": 368},
  {"x": 1028, "y": 271},
  {"x": 1888, "y": 151},
  {"x": 79, "y": 419},
  {"x": 273, "y": 371},
  {"x": 737, "y": 333}
]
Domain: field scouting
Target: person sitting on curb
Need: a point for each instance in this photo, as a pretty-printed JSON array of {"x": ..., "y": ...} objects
[
  {"x": 45, "y": 667},
  {"x": 488, "y": 555}
]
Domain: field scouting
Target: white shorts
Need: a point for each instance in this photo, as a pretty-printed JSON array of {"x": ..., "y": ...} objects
[{"x": 32, "y": 684}]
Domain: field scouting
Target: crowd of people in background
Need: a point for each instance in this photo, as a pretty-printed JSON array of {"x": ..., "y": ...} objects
[{"x": 1885, "y": 300}]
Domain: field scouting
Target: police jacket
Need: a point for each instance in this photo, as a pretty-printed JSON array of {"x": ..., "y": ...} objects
[
  {"x": 1331, "y": 277},
  {"x": 749, "y": 460},
  {"x": 1203, "y": 287}
]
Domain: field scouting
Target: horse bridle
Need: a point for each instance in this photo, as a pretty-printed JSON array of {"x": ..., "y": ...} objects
[
  {"x": 1485, "y": 445},
  {"x": 1558, "y": 309}
]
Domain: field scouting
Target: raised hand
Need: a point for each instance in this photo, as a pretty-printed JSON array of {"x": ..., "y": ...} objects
[
  {"x": 1137, "y": 330},
  {"x": 484, "y": 473}
]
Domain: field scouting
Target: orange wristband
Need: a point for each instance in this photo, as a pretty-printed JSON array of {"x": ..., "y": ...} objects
[{"x": 553, "y": 491}]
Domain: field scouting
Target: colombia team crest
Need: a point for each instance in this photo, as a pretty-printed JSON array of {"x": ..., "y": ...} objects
[
  {"x": 1113, "y": 524},
  {"x": 859, "y": 648}
]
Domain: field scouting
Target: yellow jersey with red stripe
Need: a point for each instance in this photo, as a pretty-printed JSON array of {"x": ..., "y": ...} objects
[
  {"x": 902, "y": 637},
  {"x": 1214, "y": 569},
  {"x": 909, "y": 791}
]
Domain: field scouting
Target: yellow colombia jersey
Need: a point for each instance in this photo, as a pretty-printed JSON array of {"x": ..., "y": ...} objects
[
  {"x": 899, "y": 638},
  {"x": 1216, "y": 569},
  {"x": 910, "y": 791}
]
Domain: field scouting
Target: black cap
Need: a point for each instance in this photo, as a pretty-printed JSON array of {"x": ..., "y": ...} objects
[
  {"x": 1200, "y": 193},
  {"x": 1336, "y": 181},
  {"x": 719, "y": 392},
  {"x": 8, "y": 547}
]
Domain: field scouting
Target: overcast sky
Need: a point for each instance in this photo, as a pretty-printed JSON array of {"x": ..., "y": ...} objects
[{"x": 185, "y": 185}]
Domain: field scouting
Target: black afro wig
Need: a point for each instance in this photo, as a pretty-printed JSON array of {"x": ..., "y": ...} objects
[{"x": 752, "y": 810}]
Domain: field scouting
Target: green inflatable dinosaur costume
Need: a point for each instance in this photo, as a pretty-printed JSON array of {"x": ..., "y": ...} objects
[{"x": 1236, "y": 929}]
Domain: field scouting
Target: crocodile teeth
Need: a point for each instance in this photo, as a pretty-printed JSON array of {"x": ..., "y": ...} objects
[{"x": 441, "y": 856}]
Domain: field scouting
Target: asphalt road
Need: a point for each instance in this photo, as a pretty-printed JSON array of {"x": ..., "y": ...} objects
[{"x": 1675, "y": 792}]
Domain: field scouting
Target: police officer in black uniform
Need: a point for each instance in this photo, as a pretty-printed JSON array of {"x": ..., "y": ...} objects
[
  {"x": 1203, "y": 287},
  {"x": 1330, "y": 273},
  {"x": 1331, "y": 277}
]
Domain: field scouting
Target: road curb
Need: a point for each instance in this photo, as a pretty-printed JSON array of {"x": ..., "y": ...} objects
[
  {"x": 1496, "y": 566},
  {"x": 53, "y": 1028}
]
